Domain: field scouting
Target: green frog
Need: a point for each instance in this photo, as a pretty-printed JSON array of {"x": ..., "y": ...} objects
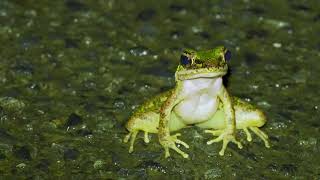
[{"x": 198, "y": 99}]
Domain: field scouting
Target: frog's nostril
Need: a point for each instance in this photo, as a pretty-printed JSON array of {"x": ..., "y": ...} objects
[
  {"x": 227, "y": 55},
  {"x": 184, "y": 60}
]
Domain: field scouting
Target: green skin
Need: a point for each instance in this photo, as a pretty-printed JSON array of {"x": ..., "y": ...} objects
[{"x": 198, "y": 89}]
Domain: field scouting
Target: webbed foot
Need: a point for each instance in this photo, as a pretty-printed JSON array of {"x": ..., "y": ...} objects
[
  {"x": 170, "y": 142},
  {"x": 223, "y": 135}
]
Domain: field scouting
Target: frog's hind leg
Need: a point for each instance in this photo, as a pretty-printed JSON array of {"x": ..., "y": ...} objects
[
  {"x": 261, "y": 134},
  {"x": 253, "y": 124},
  {"x": 132, "y": 136},
  {"x": 249, "y": 118},
  {"x": 146, "y": 122}
]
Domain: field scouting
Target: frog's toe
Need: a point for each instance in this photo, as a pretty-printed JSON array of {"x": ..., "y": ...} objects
[
  {"x": 249, "y": 138},
  {"x": 238, "y": 143},
  {"x": 225, "y": 137},
  {"x": 218, "y": 133},
  {"x": 214, "y": 132},
  {"x": 262, "y": 135},
  {"x": 223, "y": 149},
  {"x": 170, "y": 143},
  {"x": 132, "y": 137},
  {"x": 167, "y": 153},
  {"x": 178, "y": 141},
  {"x": 218, "y": 139},
  {"x": 127, "y": 137},
  {"x": 146, "y": 137},
  {"x": 183, "y": 154},
  {"x": 225, "y": 143}
]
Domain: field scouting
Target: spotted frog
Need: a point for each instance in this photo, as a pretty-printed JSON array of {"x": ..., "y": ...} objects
[{"x": 198, "y": 99}]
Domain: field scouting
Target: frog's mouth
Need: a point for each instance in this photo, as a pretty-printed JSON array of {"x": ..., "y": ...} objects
[{"x": 211, "y": 72}]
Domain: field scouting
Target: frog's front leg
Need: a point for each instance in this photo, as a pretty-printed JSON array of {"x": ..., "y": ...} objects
[
  {"x": 166, "y": 140},
  {"x": 228, "y": 133}
]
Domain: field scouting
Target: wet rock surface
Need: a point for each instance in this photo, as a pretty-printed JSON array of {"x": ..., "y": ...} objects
[{"x": 72, "y": 72}]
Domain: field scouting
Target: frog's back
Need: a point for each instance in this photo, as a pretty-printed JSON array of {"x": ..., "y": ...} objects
[
  {"x": 146, "y": 116},
  {"x": 154, "y": 104}
]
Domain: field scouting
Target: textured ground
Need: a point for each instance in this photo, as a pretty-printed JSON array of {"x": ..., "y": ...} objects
[{"x": 71, "y": 73}]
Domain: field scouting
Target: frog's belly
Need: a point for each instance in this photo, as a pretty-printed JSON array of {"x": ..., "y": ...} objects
[{"x": 197, "y": 109}]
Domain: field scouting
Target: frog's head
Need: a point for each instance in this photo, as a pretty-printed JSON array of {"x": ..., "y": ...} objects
[{"x": 203, "y": 64}]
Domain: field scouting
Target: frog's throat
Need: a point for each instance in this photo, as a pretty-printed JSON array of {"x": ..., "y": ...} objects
[{"x": 199, "y": 73}]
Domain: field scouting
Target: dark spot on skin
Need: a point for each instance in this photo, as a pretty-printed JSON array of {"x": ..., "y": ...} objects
[
  {"x": 146, "y": 14},
  {"x": 197, "y": 61}
]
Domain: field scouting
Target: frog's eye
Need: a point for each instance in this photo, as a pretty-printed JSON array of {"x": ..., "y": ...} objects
[
  {"x": 184, "y": 60},
  {"x": 227, "y": 55}
]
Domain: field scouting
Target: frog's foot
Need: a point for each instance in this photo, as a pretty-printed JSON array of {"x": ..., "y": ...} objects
[
  {"x": 132, "y": 137},
  {"x": 259, "y": 133},
  {"x": 170, "y": 142},
  {"x": 225, "y": 136}
]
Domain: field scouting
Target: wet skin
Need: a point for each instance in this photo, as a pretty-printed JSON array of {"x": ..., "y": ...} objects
[{"x": 200, "y": 99}]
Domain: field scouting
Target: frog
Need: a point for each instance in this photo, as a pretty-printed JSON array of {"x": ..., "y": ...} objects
[{"x": 199, "y": 98}]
